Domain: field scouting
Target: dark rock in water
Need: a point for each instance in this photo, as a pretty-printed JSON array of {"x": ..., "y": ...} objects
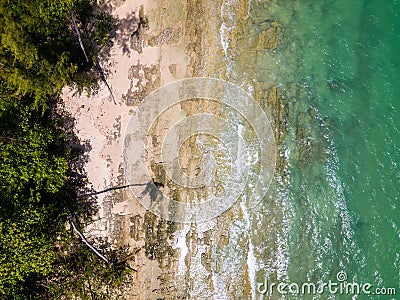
[
  {"x": 360, "y": 224},
  {"x": 336, "y": 85},
  {"x": 311, "y": 140}
]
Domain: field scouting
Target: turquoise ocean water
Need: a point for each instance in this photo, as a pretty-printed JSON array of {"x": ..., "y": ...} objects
[{"x": 344, "y": 58}]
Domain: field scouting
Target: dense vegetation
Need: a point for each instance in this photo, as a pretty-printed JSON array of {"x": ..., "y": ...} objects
[{"x": 39, "y": 54}]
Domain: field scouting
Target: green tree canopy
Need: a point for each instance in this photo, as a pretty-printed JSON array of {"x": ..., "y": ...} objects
[
  {"x": 38, "y": 51},
  {"x": 39, "y": 54},
  {"x": 33, "y": 171}
]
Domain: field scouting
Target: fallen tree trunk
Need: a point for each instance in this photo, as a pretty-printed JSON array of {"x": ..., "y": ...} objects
[{"x": 86, "y": 241}]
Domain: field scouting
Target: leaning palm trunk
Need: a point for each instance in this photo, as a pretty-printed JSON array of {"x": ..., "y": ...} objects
[{"x": 79, "y": 35}]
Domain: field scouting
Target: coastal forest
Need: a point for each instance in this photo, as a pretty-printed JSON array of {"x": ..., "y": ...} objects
[{"x": 46, "y": 45}]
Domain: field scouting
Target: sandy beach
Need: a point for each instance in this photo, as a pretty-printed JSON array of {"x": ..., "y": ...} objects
[{"x": 181, "y": 39}]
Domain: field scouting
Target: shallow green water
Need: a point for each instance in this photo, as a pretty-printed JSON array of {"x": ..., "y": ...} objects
[
  {"x": 337, "y": 68},
  {"x": 345, "y": 57}
]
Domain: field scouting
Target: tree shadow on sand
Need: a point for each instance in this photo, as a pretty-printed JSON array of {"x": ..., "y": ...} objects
[{"x": 130, "y": 31}]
